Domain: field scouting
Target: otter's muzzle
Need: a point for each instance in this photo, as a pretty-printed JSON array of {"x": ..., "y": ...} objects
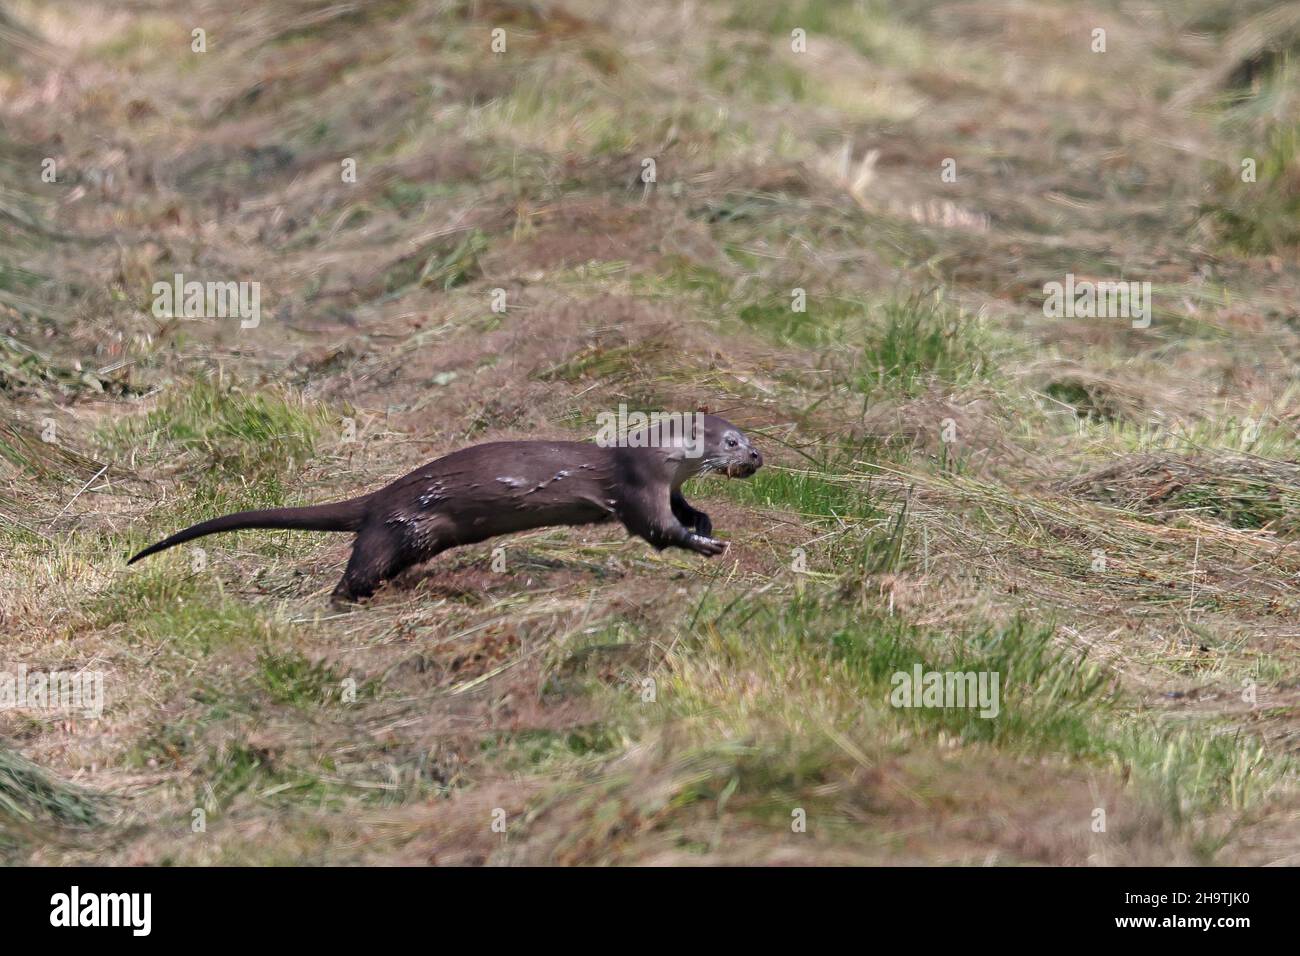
[{"x": 746, "y": 467}]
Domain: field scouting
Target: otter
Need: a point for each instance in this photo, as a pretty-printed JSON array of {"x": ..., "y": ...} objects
[{"x": 500, "y": 488}]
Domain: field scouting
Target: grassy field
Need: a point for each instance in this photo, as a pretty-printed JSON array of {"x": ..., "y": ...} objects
[{"x": 1105, "y": 515}]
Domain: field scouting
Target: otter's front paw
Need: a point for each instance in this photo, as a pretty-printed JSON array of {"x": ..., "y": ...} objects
[{"x": 709, "y": 547}]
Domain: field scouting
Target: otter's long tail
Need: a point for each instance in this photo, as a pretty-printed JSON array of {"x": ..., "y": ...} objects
[{"x": 340, "y": 516}]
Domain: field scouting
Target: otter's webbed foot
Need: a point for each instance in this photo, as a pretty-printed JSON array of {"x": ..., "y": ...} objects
[{"x": 709, "y": 547}]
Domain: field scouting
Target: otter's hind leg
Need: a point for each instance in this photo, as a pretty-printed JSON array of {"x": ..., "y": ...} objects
[{"x": 376, "y": 557}]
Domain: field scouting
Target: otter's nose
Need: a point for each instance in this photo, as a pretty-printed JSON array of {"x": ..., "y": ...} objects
[{"x": 755, "y": 457}]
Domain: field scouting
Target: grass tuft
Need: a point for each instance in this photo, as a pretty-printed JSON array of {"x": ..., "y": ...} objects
[
  {"x": 922, "y": 340},
  {"x": 221, "y": 431},
  {"x": 31, "y": 801}
]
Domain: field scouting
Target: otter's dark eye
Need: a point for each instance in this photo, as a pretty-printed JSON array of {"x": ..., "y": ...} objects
[{"x": 731, "y": 443}]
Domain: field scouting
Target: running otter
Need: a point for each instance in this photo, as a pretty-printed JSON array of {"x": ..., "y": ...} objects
[{"x": 503, "y": 487}]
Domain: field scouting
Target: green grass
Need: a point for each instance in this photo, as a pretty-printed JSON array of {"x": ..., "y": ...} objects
[
  {"x": 1090, "y": 401},
  {"x": 825, "y": 322},
  {"x": 28, "y": 794},
  {"x": 239, "y": 770},
  {"x": 919, "y": 341},
  {"x": 28, "y": 370},
  {"x": 36, "y": 807},
  {"x": 443, "y": 264},
  {"x": 1242, "y": 503},
  {"x": 806, "y": 493},
  {"x": 828, "y": 320},
  {"x": 1261, "y": 217},
  {"x": 184, "y": 613},
  {"x": 746, "y": 70},
  {"x": 1053, "y": 701},
  {"x": 540, "y": 750},
  {"x": 293, "y": 678},
  {"x": 17, "y": 279},
  {"x": 406, "y": 197},
  {"x": 222, "y": 432},
  {"x": 768, "y": 704},
  {"x": 872, "y": 27},
  {"x": 680, "y": 274},
  {"x": 614, "y": 363}
]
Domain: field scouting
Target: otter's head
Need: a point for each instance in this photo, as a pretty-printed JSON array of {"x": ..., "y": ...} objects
[
  {"x": 727, "y": 450},
  {"x": 697, "y": 444}
]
